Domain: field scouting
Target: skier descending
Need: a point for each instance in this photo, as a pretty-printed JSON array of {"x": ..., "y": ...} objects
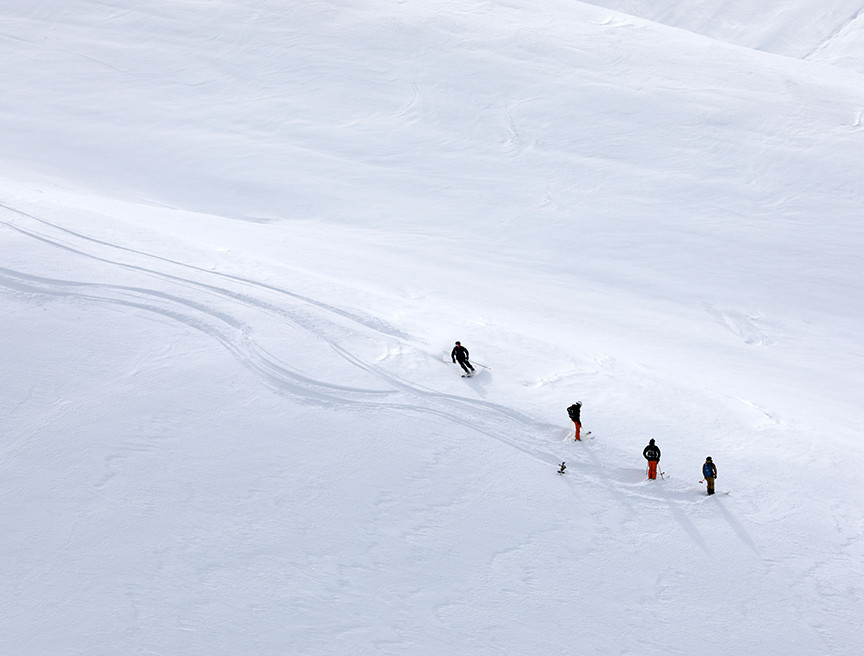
[
  {"x": 652, "y": 455},
  {"x": 709, "y": 473},
  {"x": 460, "y": 354},
  {"x": 573, "y": 411}
]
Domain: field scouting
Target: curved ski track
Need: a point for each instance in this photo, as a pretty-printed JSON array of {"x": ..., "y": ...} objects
[{"x": 228, "y": 308}]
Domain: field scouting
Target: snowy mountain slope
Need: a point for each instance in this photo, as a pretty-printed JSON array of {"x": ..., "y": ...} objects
[
  {"x": 829, "y": 32},
  {"x": 844, "y": 46},
  {"x": 238, "y": 241}
]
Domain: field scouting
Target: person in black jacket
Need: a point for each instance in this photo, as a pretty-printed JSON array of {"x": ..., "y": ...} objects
[
  {"x": 460, "y": 354},
  {"x": 652, "y": 455},
  {"x": 709, "y": 473},
  {"x": 573, "y": 411}
]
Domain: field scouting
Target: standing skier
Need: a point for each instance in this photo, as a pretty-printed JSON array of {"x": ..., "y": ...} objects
[
  {"x": 574, "y": 411},
  {"x": 652, "y": 455},
  {"x": 709, "y": 473},
  {"x": 460, "y": 354}
]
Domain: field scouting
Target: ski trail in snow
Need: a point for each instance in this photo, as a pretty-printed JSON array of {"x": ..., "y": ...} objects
[
  {"x": 237, "y": 312},
  {"x": 233, "y": 333},
  {"x": 67, "y": 240},
  {"x": 229, "y": 308},
  {"x": 237, "y": 336},
  {"x": 494, "y": 420}
]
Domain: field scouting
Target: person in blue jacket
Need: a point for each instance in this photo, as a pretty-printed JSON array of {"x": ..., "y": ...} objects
[{"x": 709, "y": 473}]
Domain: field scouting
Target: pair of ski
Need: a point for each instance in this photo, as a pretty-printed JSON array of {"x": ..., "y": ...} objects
[{"x": 474, "y": 372}]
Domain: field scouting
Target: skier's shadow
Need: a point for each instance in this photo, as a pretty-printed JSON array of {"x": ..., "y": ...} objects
[
  {"x": 637, "y": 476},
  {"x": 688, "y": 526},
  {"x": 740, "y": 531},
  {"x": 477, "y": 385},
  {"x": 630, "y": 474}
]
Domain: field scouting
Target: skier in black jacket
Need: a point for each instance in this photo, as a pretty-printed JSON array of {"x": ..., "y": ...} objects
[
  {"x": 652, "y": 455},
  {"x": 460, "y": 354},
  {"x": 574, "y": 411}
]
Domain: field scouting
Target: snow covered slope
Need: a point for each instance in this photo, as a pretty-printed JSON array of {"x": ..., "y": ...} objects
[
  {"x": 238, "y": 240},
  {"x": 830, "y": 32}
]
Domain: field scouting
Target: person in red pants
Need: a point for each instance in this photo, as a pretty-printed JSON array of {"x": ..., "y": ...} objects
[
  {"x": 652, "y": 455},
  {"x": 573, "y": 411}
]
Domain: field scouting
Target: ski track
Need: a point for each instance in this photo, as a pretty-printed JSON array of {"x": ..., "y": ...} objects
[
  {"x": 237, "y": 304},
  {"x": 231, "y": 317},
  {"x": 231, "y": 310}
]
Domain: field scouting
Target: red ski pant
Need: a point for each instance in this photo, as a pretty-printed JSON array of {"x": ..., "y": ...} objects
[
  {"x": 578, "y": 430},
  {"x": 652, "y": 469}
]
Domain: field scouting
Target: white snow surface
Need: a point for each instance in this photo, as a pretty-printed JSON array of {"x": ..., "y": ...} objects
[
  {"x": 829, "y": 31},
  {"x": 239, "y": 238}
]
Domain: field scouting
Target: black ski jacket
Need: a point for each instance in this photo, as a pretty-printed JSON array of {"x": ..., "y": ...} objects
[
  {"x": 459, "y": 353},
  {"x": 651, "y": 453},
  {"x": 574, "y": 411},
  {"x": 709, "y": 470}
]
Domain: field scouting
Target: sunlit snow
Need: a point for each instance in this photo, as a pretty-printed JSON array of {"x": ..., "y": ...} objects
[{"x": 238, "y": 240}]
